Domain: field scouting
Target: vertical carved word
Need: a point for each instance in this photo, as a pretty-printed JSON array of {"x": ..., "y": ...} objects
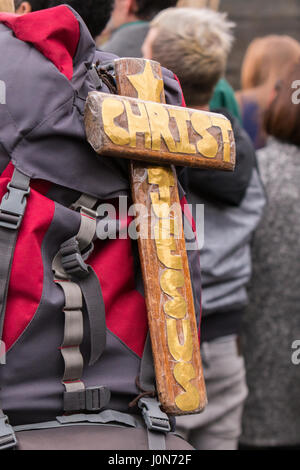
[{"x": 172, "y": 282}]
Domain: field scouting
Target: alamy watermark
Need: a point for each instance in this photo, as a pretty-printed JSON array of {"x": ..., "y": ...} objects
[
  {"x": 295, "y": 358},
  {"x": 156, "y": 222},
  {"x": 296, "y": 94}
]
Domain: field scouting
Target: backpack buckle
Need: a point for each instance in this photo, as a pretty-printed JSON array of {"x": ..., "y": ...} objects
[
  {"x": 155, "y": 419},
  {"x": 73, "y": 260},
  {"x": 97, "y": 398},
  {"x": 89, "y": 399},
  {"x": 12, "y": 207},
  {"x": 7, "y": 436}
]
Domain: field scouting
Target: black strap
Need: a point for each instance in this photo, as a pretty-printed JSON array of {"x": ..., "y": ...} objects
[
  {"x": 157, "y": 423},
  {"x": 147, "y": 373},
  {"x": 93, "y": 298},
  {"x": 12, "y": 209},
  {"x": 75, "y": 276},
  {"x": 73, "y": 262},
  {"x": 106, "y": 74},
  {"x": 8, "y": 240}
]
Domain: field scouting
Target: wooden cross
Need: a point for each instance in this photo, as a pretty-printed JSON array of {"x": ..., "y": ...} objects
[
  {"x": 147, "y": 132},
  {"x": 7, "y": 5}
]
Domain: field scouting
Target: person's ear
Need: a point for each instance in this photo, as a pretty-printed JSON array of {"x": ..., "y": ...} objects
[
  {"x": 24, "y": 8},
  {"x": 132, "y": 7}
]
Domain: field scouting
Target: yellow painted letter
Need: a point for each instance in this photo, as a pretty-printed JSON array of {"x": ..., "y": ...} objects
[
  {"x": 170, "y": 281},
  {"x": 111, "y": 109},
  {"x": 190, "y": 400},
  {"x": 180, "y": 352},
  {"x": 207, "y": 146},
  {"x": 159, "y": 123},
  {"x": 182, "y": 116},
  {"x": 225, "y": 126},
  {"x": 138, "y": 124}
]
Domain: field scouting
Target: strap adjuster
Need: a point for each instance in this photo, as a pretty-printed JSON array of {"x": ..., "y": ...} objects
[
  {"x": 96, "y": 398},
  {"x": 89, "y": 399},
  {"x": 95, "y": 77},
  {"x": 155, "y": 419},
  {"x": 13, "y": 206},
  {"x": 7, "y": 436},
  {"x": 73, "y": 260}
]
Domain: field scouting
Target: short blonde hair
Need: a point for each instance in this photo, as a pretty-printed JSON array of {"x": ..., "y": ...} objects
[{"x": 194, "y": 43}]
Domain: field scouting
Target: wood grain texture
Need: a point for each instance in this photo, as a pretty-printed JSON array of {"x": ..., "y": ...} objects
[
  {"x": 163, "y": 134},
  {"x": 170, "y": 338},
  {"x": 7, "y": 6}
]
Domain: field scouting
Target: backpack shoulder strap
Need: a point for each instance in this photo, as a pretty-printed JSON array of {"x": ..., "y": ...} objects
[{"x": 12, "y": 209}]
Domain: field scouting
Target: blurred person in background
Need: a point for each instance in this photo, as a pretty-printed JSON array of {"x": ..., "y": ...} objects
[
  {"x": 197, "y": 50},
  {"x": 129, "y": 25},
  {"x": 265, "y": 61},
  {"x": 223, "y": 96},
  {"x": 95, "y": 13},
  {"x": 22, "y": 7},
  {"x": 213, "y": 4},
  {"x": 272, "y": 324}
]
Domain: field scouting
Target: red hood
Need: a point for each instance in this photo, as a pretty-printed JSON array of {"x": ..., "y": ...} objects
[{"x": 54, "y": 32}]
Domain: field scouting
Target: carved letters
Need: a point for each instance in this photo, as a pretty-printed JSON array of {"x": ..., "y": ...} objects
[
  {"x": 180, "y": 345},
  {"x": 130, "y": 127}
]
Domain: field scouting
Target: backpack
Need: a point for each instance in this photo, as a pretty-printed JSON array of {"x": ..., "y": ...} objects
[{"x": 73, "y": 317}]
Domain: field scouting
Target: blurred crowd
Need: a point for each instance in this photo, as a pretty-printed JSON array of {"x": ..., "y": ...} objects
[{"x": 250, "y": 258}]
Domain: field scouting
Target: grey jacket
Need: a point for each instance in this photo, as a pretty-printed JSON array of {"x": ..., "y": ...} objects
[
  {"x": 226, "y": 255},
  {"x": 233, "y": 205},
  {"x": 272, "y": 323}
]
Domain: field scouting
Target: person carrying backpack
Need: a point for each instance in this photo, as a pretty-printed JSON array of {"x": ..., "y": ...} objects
[{"x": 72, "y": 311}]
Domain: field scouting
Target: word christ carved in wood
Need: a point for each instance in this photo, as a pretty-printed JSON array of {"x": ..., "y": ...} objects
[{"x": 137, "y": 125}]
